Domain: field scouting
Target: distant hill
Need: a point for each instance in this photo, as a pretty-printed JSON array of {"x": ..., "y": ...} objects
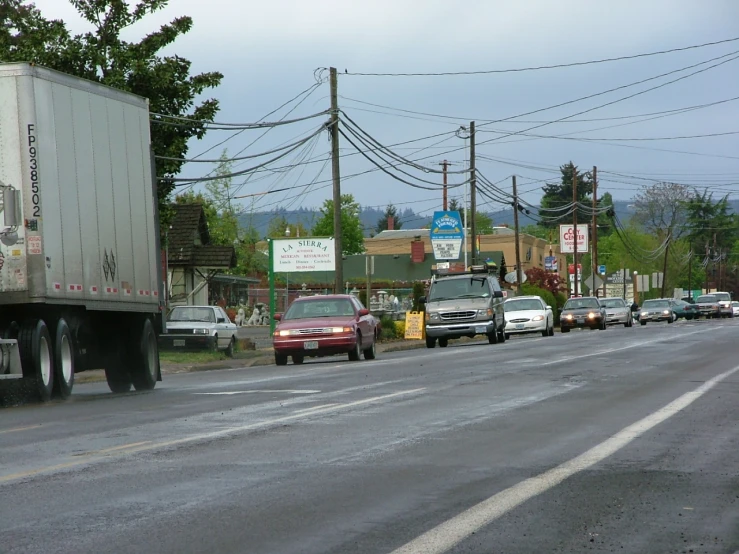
[{"x": 409, "y": 219}]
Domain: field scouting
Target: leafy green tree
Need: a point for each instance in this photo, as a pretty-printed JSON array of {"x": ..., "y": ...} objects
[
  {"x": 279, "y": 225},
  {"x": 390, "y": 211},
  {"x": 138, "y": 67},
  {"x": 710, "y": 225},
  {"x": 352, "y": 237},
  {"x": 541, "y": 232},
  {"x": 559, "y": 195}
]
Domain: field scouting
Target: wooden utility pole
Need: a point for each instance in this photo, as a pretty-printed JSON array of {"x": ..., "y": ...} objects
[
  {"x": 519, "y": 271},
  {"x": 336, "y": 176},
  {"x": 594, "y": 231},
  {"x": 574, "y": 225},
  {"x": 444, "y": 204},
  {"x": 664, "y": 266},
  {"x": 473, "y": 193}
]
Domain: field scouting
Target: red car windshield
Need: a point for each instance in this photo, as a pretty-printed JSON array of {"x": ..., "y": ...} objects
[{"x": 307, "y": 309}]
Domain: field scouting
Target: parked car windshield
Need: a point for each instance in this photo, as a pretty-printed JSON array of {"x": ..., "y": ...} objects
[
  {"x": 473, "y": 287},
  {"x": 190, "y": 313},
  {"x": 656, "y": 304},
  {"x": 707, "y": 299},
  {"x": 613, "y": 303},
  {"x": 580, "y": 303},
  {"x": 523, "y": 304},
  {"x": 305, "y": 309}
]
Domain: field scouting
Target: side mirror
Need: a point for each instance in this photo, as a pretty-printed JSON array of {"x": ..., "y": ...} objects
[
  {"x": 363, "y": 312},
  {"x": 498, "y": 294},
  {"x": 278, "y": 317},
  {"x": 422, "y": 300},
  {"x": 10, "y": 207},
  {"x": 549, "y": 307}
]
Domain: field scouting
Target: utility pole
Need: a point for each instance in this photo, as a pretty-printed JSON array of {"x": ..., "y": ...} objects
[
  {"x": 336, "y": 176},
  {"x": 519, "y": 273},
  {"x": 594, "y": 230},
  {"x": 574, "y": 224},
  {"x": 473, "y": 193},
  {"x": 664, "y": 265},
  {"x": 370, "y": 263},
  {"x": 690, "y": 274},
  {"x": 444, "y": 165}
]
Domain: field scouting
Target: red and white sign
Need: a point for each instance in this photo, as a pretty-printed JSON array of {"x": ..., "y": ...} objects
[
  {"x": 567, "y": 239},
  {"x": 34, "y": 245},
  {"x": 571, "y": 269}
]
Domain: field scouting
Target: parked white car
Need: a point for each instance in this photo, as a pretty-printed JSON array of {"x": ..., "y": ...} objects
[
  {"x": 735, "y": 308},
  {"x": 528, "y": 314},
  {"x": 199, "y": 328}
]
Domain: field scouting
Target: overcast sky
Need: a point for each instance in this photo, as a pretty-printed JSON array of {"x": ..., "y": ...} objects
[{"x": 268, "y": 52}]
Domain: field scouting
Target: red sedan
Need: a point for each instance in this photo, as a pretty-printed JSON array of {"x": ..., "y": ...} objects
[{"x": 323, "y": 326}]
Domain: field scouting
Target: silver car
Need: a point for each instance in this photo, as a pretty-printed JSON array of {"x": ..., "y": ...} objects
[
  {"x": 617, "y": 311},
  {"x": 199, "y": 328}
]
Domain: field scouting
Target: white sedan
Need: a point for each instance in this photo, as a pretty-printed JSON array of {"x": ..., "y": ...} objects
[
  {"x": 528, "y": 314},
  {"x": 735, "y": 308}
]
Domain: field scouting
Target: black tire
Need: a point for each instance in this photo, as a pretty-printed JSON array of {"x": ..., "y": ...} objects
[
  {"x": 430, "y": 343},
  {"x": 117, "y": 362},
  {"x": 643, "y": 323},
  {"x": 507, "y": 336},
  {"x": 37, "y": 359},
  {"x": 443, "y": 343},
  {"x": 280, "y": 359},
  {"x": 63, "y": 360},
  {"x": 298, "y": 359},
  {"x": 493, "y": 337},
  {"x": 501, "y": 336},
  {"x": 231, "y": 348},
  {"x": 215, "y": 343},
  {"x": 371, "y": 352},
  {"x": 564, "y": 329},
  {"x": 145, "y": 357},
  {"x": 356, "y": 352},
  {"x": 551, "y": 330}
]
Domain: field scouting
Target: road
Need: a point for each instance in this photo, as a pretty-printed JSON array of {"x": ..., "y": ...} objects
[{"x": 618, "y": 441}]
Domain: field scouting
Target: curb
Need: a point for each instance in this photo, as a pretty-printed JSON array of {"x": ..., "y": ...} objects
[{"x": 262, "y": 360}]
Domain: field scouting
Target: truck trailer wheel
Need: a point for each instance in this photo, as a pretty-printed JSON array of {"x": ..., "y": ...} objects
[
  {"x": 145, "y": 358},
  {"x": 63, "y": 360},
  {"x": 36, "y": 356},
  {"x": 116, "y": 367}
]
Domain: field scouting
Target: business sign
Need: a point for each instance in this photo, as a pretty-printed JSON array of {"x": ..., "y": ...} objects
[
  {"x": 601, "y": 269},
  {"x": 304, "y": 254},
  {"x": 447, "y": 234},
  {"x": 567, "y": 239},
  {"x": 414, "y": 326}
]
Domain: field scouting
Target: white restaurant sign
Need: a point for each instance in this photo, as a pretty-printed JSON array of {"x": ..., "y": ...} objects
[
  {"x": 304, "y": 254},
  {"x": 567, "y": 239}
]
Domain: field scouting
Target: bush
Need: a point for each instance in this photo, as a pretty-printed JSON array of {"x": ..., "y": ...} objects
[
  {"x": 400, "y": 329},
  {"x": 389, "y": 331},
  {"x": 419, "y": 289},
  {"x": 548, "y": 297}
]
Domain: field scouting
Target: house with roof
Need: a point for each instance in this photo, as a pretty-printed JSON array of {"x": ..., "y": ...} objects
[{"x": 192, "y": 261}]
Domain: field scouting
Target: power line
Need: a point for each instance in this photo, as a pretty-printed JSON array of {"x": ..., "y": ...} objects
[{"x": 541, "y": 67}]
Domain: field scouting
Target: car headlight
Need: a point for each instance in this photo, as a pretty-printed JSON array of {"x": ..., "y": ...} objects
[
  {"x": 488, "y": 312},
  {"x": 537, "y": 318},
  {"x": 591, "y": 315},
  {"x": 666, "y": 312},
  {"x": 201, "y": 331},
  {"x": 645, "y": 313},
  {"x": 568, "y": 316},
  {"x": 341, "y": 329},
  {"x": 284, "y": 333}
]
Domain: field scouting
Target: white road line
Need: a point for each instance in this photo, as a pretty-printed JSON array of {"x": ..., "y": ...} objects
[
  {"x": 202, "y": 437},
  {"x": 284, "y": 391},
  {"x": 314, "y": 408},
  {"x": 453, "y": 531}
]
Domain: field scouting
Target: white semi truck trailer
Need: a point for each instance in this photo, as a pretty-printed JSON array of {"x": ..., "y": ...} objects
[{"x": 81, "y": 282}]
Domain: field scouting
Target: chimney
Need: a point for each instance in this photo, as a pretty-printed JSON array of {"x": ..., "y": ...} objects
[{"x": 390, "y": 223}]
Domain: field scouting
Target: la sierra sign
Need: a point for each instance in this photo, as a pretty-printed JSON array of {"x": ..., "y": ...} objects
[
  {"x": 567, "y": 239},
  {"x": 304, "y": 254}
]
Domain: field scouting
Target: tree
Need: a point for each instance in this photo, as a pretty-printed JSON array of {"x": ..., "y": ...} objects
[
  {"x": 661, "y": 209},
  {"x": 546, "y": 280},
  {"x": 559, "y": 195},
  {"x": 137, "y": 67},
  {"x": 279, "y": 225},
  {"x": 390, "y": 211},
  {"x": 352, "y": 237}
]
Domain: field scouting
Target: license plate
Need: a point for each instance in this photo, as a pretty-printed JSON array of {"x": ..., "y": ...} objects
[
  {"x": 580, "y": 320},
  {"x": 519, "y": 325},
  {"x": 178, "y": 342},
  {"x": 310, "y": 345},
  {"x": 481, "y": 329}
]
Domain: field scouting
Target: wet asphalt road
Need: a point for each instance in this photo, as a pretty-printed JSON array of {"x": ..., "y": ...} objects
[{"x": 619, "y": 441}]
